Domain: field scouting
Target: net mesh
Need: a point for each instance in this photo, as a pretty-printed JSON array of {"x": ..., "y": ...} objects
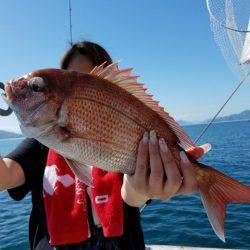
[{"x": 230, "y": 26}]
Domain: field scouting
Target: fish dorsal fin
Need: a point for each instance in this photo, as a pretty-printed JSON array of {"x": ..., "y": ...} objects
[{"x": 128, "y": 82}]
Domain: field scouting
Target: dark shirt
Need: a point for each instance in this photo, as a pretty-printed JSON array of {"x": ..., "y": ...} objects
[{"x": 32, "y": 157}]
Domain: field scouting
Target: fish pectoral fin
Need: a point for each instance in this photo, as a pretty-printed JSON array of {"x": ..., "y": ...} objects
[
  {"x": 215, "y": 197},
  {"x": 62, "y": 133},
  {"x": 82, "y": 171},
  {"x": 35, "y": 132}
]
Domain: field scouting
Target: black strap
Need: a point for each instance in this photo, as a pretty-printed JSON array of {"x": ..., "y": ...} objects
[{"x": 92, "y": 226}]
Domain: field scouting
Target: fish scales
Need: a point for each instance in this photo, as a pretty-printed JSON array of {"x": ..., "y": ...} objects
[
  {"x": 109, "y": 116},
  {"x": 94, "y": 121}
]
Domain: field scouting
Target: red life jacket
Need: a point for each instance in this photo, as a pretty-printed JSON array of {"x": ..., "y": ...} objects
[{"x": 65, "y": 201}]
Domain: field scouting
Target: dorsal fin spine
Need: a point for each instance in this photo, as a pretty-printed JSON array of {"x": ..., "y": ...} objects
[{"x": 123, "y": 79}]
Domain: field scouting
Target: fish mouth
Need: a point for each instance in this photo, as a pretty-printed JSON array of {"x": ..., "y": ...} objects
[
  {"x": 7, "y": 98},
  {"x": 8, "y": 92},
  {"x": 4, "y": 95}
]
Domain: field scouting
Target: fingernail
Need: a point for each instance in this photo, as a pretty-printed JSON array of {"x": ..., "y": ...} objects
[
  {"x": 153, "y": 137},
  {"x": 163, "y": 145},
  {"x": 145, "y": 137},
  {"x": 184, "y": 157}
]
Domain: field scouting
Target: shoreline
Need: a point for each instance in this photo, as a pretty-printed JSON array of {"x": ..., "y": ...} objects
[{"x": 216, "y": 122}]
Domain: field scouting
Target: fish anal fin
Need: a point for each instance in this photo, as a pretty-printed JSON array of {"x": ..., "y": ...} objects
[{"x": 217, "y": 190}]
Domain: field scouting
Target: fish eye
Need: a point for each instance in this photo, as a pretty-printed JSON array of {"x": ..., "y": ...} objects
[{"x": 37, "y": 84}]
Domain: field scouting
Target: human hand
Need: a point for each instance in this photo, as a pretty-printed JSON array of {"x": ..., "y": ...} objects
[{"x": 165, "y": 179}]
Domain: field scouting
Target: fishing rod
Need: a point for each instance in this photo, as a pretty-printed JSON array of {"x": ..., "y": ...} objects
[{"x": 70, "y": 24}]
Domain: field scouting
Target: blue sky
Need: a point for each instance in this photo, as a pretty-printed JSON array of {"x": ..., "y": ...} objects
[{"x": 169, "y": 43}]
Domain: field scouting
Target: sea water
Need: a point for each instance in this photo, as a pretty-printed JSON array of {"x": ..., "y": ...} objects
[{"x": 179, "y": 221}]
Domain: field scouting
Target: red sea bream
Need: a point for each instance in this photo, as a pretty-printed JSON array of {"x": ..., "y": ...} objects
[{"x": 99, "y": 118}]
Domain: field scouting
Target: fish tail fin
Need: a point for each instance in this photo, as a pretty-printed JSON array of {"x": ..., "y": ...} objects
[{"x": 217, "y": 190}]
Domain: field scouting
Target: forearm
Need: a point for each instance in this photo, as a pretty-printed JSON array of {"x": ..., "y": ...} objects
[
  {"x": 4, "y": 173},
  {"x": 11, "y": 174}
]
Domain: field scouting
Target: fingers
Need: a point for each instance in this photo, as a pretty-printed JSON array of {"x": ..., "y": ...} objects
[
  {"x": 166, "y": 179},
  {"x": 189, "y": 184},
  {"x": 140, "y": 176},
  {"x": 157, "y": 171},
  {"x": 174, "y": 178}
]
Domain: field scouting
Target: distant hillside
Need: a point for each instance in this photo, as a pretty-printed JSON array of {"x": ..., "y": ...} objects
[
  {"x": 245, "y": 115},
  {"x": 5, "y": 134},
  {"x": 184, "y": 123}
]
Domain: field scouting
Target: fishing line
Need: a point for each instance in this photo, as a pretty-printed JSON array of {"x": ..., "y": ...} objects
[
  {"x": 144, "y": 206},
  {"x": 221, "y": 108},
  {"x": 70, "y": 23}
]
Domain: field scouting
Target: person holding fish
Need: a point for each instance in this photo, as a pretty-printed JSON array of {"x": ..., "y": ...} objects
[{"x": 76, "y": 206}]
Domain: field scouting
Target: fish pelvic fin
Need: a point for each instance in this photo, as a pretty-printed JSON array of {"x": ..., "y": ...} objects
[
  {"x": 82, "y": 171},
  {"x": 217, "y": 190}
]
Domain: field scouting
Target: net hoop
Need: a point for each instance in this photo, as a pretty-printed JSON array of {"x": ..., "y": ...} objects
[{"x": 221, "y": 23}]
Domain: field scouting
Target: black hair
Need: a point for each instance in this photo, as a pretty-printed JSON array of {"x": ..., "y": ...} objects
[{"x": 94, "y": 52}]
